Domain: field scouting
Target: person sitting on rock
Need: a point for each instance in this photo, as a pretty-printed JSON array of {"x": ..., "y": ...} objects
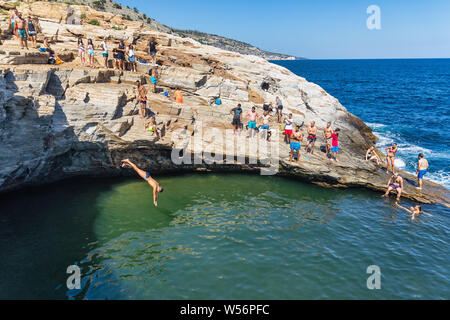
[
  {"x": 395, "y": 183},
  {"x": 371, "y": 155},
  {"x": 53, "y": 57},
  {"x": 157, "y": 189},
  {"x": 178, "y": 96},
  {"x": 151, "y": 126}
]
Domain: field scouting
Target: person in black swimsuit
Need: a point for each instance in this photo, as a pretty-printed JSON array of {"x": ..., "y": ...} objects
[
  {"x": 152, "y": 49},
  {"x": 32, "y": 30},
  {"x": 121, "y": 54}
]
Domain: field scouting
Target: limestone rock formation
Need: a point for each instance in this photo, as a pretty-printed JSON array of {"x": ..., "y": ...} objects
[{"x": 69, "y": 120}]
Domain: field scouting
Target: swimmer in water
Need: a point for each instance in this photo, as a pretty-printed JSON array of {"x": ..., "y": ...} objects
[
  {"x": 157, "y": 189},
  {"x": 414, "y": 211}
]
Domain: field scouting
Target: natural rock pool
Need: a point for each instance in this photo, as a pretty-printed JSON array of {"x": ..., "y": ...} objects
[{"x": 217, "y": 237}]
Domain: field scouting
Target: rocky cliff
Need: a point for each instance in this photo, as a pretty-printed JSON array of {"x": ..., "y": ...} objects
[{"x": 64, "y": 121}]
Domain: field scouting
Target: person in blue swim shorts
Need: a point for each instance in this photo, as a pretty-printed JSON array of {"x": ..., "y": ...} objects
[
  {"x": 253, "y": 115},
  {"x": 296, "y": 138},
  {"x": 422, "y": 169}
]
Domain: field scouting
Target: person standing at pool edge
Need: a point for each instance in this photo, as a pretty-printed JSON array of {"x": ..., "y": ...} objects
[
  {"x": 296, "y": 138},
  {"x": 237, "y": 119},
  {"x": 253, "y": 115},
  {"x": 422, "y": 169},
  {"x": 288, "y": 126},
  {"x": 142, "y": 98},
  {"x": 152, "y": 49},
  {"x": 105, "y": 54},
  {"x": 157, "y": 189},
  {"x": 327, "y": 136},
  {"x": 335, "y": 144},
  {"x": 391, "y": 155},
  {"x": 312, "y": 137}
]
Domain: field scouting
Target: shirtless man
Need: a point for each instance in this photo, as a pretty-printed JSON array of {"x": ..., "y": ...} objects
[
  {"x": 142, "y": 98},
  {"x": 253, "y": 115},
  {"x": 157, "y": 189},
  {"x": 312, "y": 137},
  {"x": 265, "y": 126},
  {"x": 22, "y": 31},
  {"x": 372, "y": 156},
  {"x": 422, "y": 169},
  {"x": 327, "y": 136},
  {"x": 395, "y": 183},
  {"x": 296, "y": 138}
]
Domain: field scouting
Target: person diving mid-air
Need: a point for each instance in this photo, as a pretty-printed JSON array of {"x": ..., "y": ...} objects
[{"x": 157, "y": 189}]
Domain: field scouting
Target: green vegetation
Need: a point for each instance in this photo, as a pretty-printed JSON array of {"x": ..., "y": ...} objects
[
  {"x": 118, "y": 28},
  {"x": 83, "y": 16},
  {"x": 127, "y": 17},
  {"x": 16, "y": 4},
  {"x": 135, "y": 10},
  {"x": 94, "y": 22},
  {"x": 99, "y": 4},
  {"x": 117, "y": 6},
  {"x": 71, "y": 3}
]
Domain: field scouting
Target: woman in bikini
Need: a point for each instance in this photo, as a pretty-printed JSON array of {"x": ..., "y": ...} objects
[
  {"x": 91, "y": 52},
  {"x": 81, "y": 51},
  {"x": 391, "y": 155}
]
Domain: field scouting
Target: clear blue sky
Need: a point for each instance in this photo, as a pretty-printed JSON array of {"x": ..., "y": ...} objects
[{"x": 316, "y": 29}]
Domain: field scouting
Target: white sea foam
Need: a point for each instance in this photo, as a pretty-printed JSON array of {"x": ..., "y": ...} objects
[
  {"x": 399, "y": 163},
  {"x": 374, "y": 126}
]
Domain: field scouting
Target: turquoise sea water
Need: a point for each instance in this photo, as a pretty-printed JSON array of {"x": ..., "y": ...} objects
[{"x": 218, "y": 237}]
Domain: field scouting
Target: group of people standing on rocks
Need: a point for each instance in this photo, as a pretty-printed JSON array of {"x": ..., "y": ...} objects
[
  {"x": 124, "y": 56},
  {"x": 23, "y": 28},
  {"x": 260, "y": 123},
  {"x": 396, "y": 182}
]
